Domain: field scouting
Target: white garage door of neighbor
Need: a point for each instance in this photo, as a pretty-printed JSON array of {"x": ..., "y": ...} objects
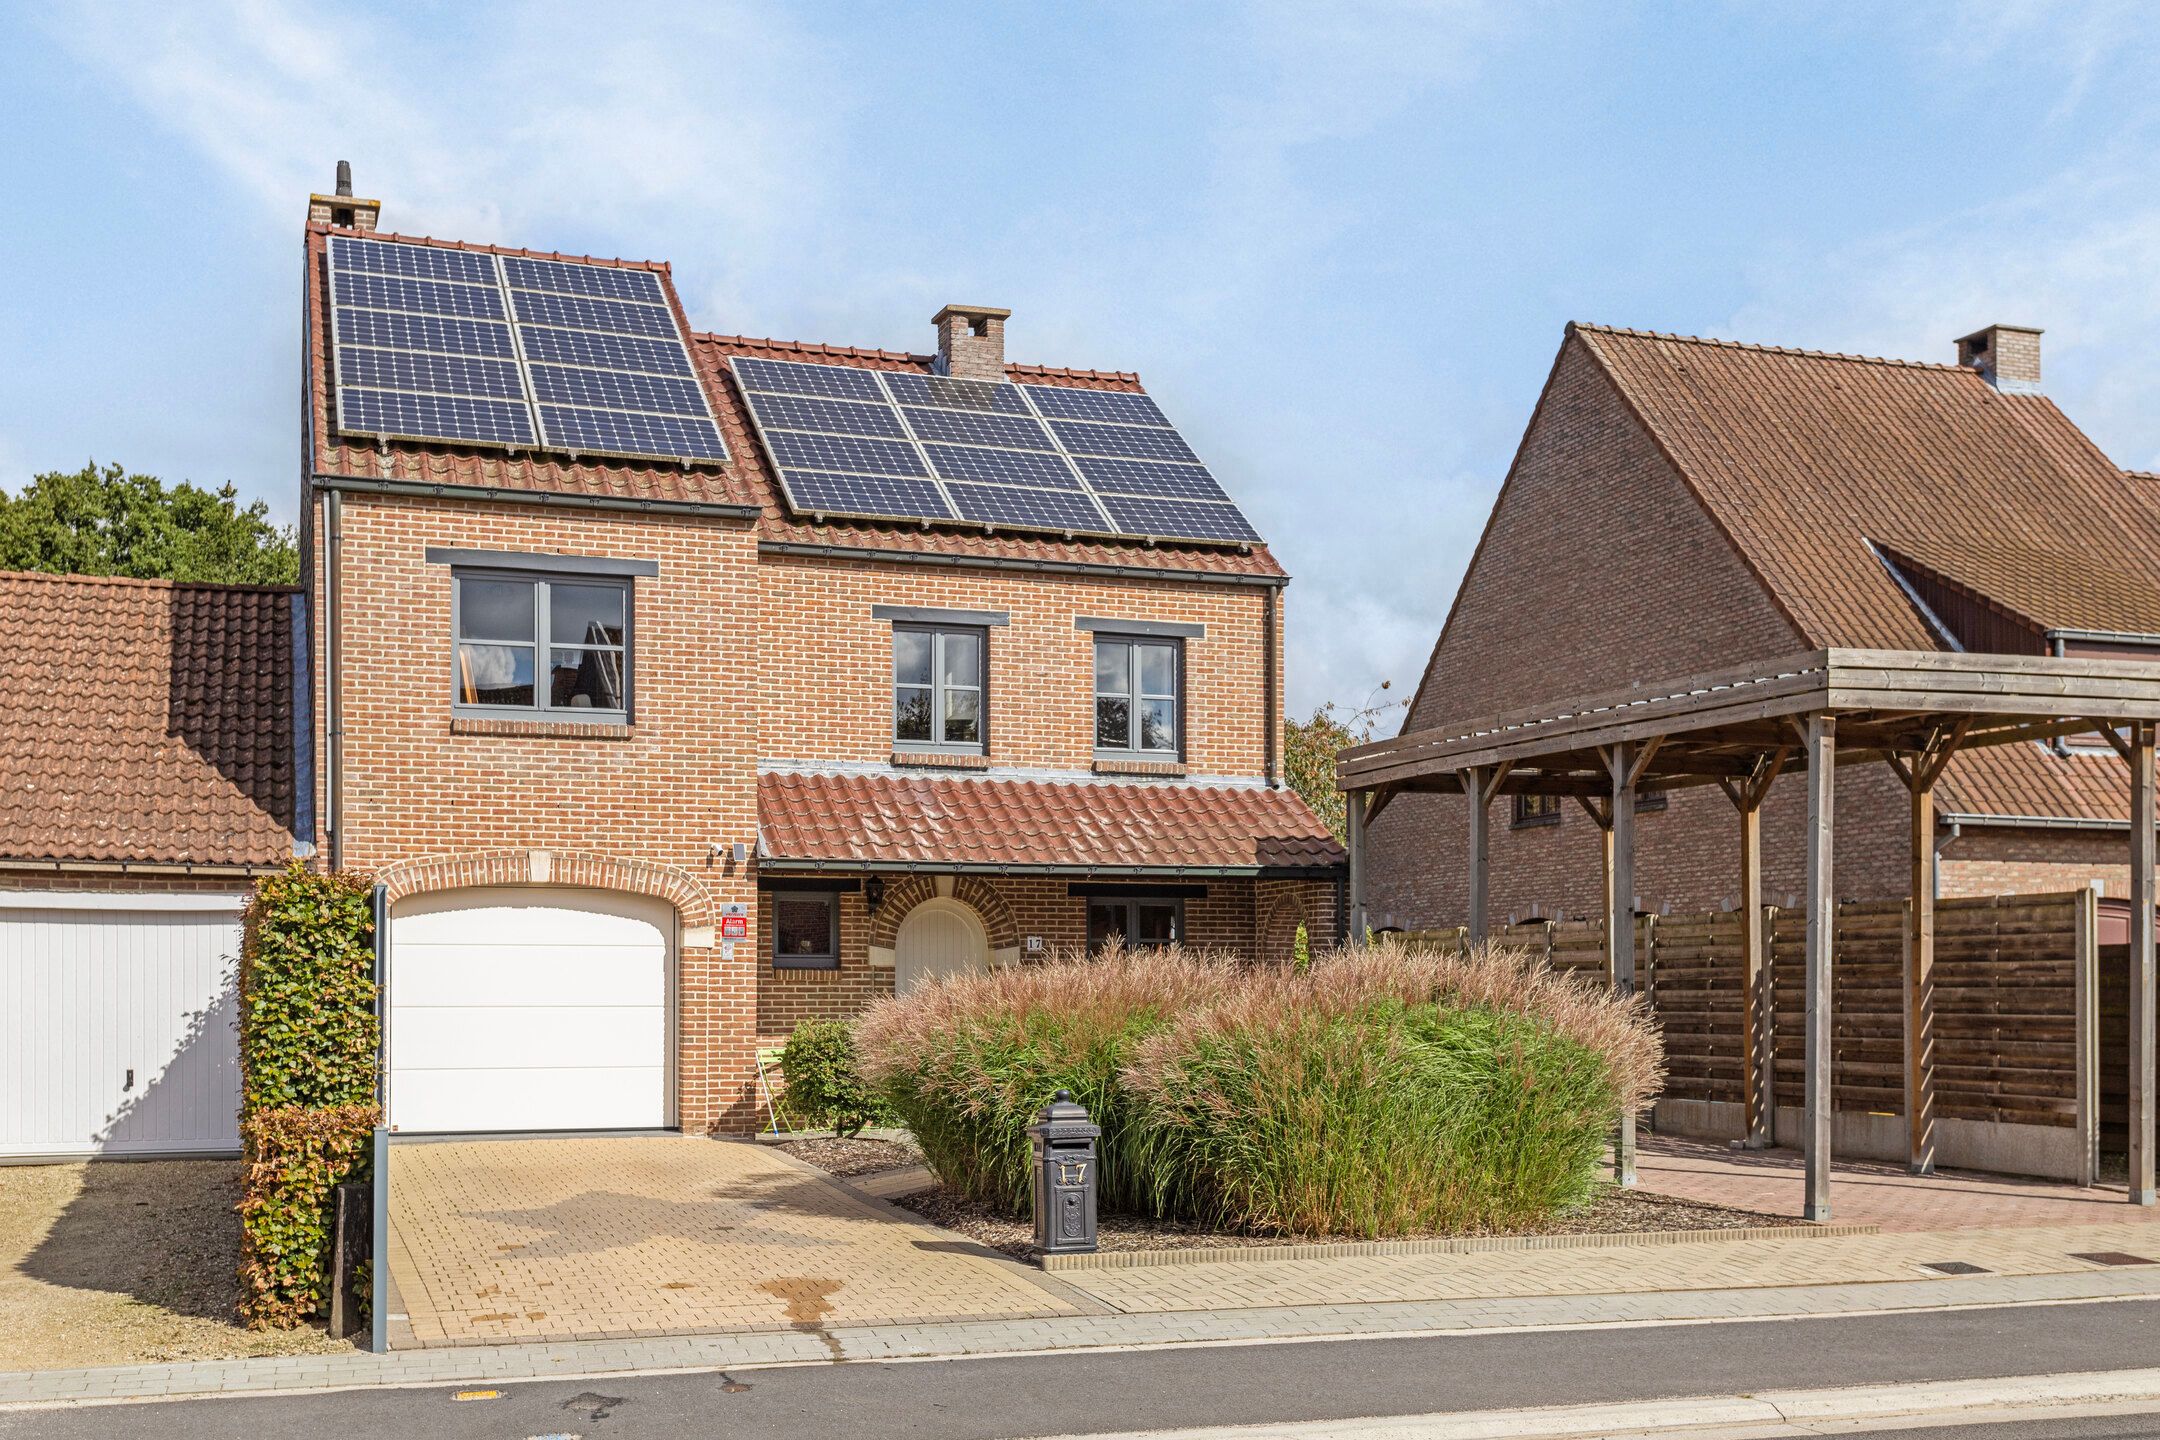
[
  {"x": 529, "y": 1009},
  {"x": 116, "y": 1024}
]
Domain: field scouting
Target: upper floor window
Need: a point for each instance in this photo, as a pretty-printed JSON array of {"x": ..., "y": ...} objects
[
  {"x": 1136, "y": 697},
  {"x": 558, "y": 647},
  {"x": 940, "y": 692},
  {"x": 1536, "y": 810}
]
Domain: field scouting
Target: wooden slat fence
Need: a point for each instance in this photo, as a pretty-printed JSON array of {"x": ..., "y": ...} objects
[{"x": 2005, "y": 1001}]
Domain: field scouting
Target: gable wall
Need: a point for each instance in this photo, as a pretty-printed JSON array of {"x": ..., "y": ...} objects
[{"x": 1599, "y": 570}]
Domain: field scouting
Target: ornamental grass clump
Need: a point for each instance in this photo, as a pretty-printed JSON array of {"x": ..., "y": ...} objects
[
  {"x": 1392, "y": 1091},
  {"x": 968, "y": 1064}
]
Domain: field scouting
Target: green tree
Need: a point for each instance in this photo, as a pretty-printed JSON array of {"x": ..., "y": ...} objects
[
  {"x": 104, "y": 520},
  {"x": 1309, "y": 750}
]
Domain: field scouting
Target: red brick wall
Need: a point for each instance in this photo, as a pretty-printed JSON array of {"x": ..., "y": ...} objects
[
  {"x": 2007, "y": 859},
  {"x": 825, "y": 665},
  {"x": 1598, "y": 570},
  {"x": 682, "y": 780}
]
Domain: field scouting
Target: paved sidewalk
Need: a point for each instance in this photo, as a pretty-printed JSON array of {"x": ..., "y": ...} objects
[
  {"x": 611, "y": 1237},
  {"x": 1867, "y": 1193},
  {"x": 952, "y": 1340}
]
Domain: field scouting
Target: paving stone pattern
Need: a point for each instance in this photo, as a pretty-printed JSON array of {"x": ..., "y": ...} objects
[{"x": 597, "y": 1238}]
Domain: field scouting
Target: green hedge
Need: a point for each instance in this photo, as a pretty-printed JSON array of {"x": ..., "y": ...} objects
[
  {"x": 295, "y": 1158},
  {"x": 308, "y": 1036},
  {"x": 824, "y": 1088}
]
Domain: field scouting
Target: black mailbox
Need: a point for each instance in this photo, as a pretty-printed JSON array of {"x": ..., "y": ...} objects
[{"x": 1063, "y": 1141}]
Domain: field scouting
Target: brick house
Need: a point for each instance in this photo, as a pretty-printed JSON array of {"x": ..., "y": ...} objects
[
  {"x": 152, "y": 766},
  {"x": 655, "y": 759},
  {"x": 1680, "y": 505}
]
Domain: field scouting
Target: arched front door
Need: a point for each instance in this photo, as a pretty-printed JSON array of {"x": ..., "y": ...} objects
[{"x": 938, "y": 938}]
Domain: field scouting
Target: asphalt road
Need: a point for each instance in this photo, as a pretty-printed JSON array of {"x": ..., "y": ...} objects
[{"x": 995, "y": 1399}]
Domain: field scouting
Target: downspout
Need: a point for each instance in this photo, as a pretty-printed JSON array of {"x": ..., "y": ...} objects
[
  {"x": 333, "y": 711},
  {"x": 1267, "y": 702}
]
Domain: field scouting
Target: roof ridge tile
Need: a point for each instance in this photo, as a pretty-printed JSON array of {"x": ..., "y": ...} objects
[{"x": 1675, "y": 337}]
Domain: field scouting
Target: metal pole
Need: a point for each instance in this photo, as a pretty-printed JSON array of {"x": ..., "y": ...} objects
[
  {"x": 1821, "y": 938},
  {"x": 1620, "y": 923},
  {"x": 2141, "y": 963},
  {"x": 379, "y": 1250},
  {"x": 1757, "y": 1082}
]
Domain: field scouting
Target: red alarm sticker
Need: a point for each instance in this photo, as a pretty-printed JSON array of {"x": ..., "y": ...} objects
[{"x": 734, "y": 927}]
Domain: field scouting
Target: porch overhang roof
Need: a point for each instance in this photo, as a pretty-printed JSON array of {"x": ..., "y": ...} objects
[{"x": 1715, "y": 727}]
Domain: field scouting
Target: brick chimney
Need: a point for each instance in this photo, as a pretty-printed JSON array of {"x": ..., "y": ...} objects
[
  {"x": 971, "y": 341},
  {"x": 342, "y": 208},
  {"x": 2007, "y": 355}
]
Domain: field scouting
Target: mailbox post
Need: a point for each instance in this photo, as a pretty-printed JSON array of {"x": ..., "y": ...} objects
[{"x": 1066, "y": 1178}]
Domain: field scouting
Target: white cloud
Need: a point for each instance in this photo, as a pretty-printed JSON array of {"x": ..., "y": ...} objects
[{"x": 561, "y": 119}]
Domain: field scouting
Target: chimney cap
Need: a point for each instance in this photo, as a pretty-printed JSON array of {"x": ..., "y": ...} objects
[
  {"x": 972, "y": 312},
  {"x": 344, "y": 177}
]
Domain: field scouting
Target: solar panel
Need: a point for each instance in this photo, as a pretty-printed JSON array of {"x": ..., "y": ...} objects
[
  {"x": 470, "y": 347},
  {"x": 896, "y": 445}
]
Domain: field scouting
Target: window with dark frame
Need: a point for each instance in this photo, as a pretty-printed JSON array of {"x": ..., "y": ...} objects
[
  {"x": 940, "y": 689},
  {"x": 1137, "y": 690},
  {"x": 1141, "y": 922},
  {"x": 1649, "y": 800},
  {"x": 806, "y": 929},
  {"x": 1536, "y": 810},
  {"x": 542, "y": 646}
]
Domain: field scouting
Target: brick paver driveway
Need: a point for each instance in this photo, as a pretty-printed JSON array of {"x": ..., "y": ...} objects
[{"x": 496, "y": 1240}]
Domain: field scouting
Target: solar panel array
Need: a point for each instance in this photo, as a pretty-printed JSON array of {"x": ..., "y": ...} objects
[
  {"x": 504, "y": 350},
  {"x": 885, "y": 445}
]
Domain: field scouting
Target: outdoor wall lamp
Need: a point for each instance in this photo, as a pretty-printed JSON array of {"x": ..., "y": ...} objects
[{"x": 873, "y": 893}]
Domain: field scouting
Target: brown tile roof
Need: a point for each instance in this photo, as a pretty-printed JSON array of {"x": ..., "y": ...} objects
[
  {"x": 146, "y": 721},
  {"x": 1031, "y": 824},
  {"x": 1802, "y": 458},
  {"x": 746, "y": 481}
]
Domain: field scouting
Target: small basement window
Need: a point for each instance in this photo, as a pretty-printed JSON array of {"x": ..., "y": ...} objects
[
  {"x": 559, "y": 648},
  {"x": 806, "y": 929},
  {"x": 1142, "y": 922},
  {"x": 1536, "y": 810}
]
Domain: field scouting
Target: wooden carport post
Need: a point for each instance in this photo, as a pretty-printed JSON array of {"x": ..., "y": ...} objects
[
  {"x": 1479, "y": 784},
  {"x": 1758, "y": 1095},
  {"x": 1821, "y": 743},
  {"x": 1354, "y": 845},
  {"x": 2137, "y": 753},
  {"x": 1625, "y": 762},
  {"x": 1920, "y": 775}
]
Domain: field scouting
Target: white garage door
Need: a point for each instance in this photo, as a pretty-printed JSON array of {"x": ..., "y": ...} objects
[
  {"x": 116, "y": 1024},
  {"x": 529, "y": 1009}
]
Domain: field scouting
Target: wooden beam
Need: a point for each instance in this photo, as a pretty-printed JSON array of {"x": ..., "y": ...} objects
[
  {"x": 1478, "y": 795},
  {"x": 1381, "y": 795},
  {"x": 1758, "y": 1098},
  {"x": 1620, "y": 921},
  {"x": 1354, "y": 842},
  {"x": 1594, "y": 806},
  {"x": 1821, "y": 743},
  {"x": 2141, "y": 963},
  {"x": 1496, "y": 779},
  {"x": 1920, "y": 985}
]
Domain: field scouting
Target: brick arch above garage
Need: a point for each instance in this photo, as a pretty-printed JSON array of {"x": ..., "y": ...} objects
[{"x": 567, "y": 868}]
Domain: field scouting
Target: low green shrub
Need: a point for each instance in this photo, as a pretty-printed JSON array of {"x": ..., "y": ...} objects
[
  {"x": 1391, "y": 1091},
  {"x": 308, "y": 1031},
  {"x": 969, "y": 1063},
  {"x": 294, "y": 1158},
  {"x": 825, "y": 1089}
]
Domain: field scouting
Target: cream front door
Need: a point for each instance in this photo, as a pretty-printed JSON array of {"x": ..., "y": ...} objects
[{"x": 938, "y": 938}]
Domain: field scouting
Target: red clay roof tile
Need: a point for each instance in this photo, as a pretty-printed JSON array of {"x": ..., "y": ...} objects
[
  {"x": 146, "y": 721},
  {"x": 920, "y": 820}
]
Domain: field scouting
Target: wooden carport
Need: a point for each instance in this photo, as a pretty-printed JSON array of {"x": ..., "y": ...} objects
[{"x": 1742, "y": 729}]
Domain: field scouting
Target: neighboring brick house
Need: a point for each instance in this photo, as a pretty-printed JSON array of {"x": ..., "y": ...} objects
[
  {"x": 873, "y": 750},
  {"x": 1679, "y": 506},
  {"x": 151, "y": 759}
]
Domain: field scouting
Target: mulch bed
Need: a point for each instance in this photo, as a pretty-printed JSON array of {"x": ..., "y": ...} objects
[
  {"x": 857, "y": 1156},
  {"x": 1613, "y": 1212}
]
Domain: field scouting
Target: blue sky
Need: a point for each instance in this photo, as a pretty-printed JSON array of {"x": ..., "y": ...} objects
[{"x": 1338, "y": 241}]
